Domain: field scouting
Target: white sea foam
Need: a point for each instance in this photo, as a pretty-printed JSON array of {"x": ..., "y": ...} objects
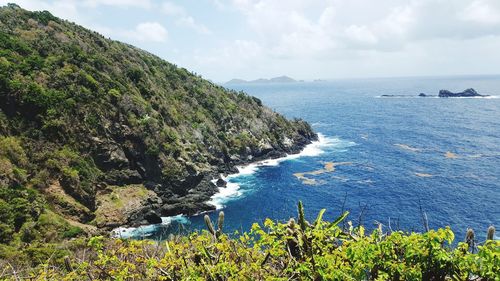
[
  {"x": 321, "y": 124},
  {"x": 233, "y": 190},
  {"x": 146, "y": 230},
  {"x": 486, "y": 97},
  {"x": 248, "y": 169},
  {"x": 225, "y": 194},
  {"x": 313, "y": 149}
]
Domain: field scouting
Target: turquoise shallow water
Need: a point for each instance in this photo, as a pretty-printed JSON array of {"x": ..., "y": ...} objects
[{"x": 396, "y": 154}]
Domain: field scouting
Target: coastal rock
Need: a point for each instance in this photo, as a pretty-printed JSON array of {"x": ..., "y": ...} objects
[
  {"x": 188, "y": 208},
  {"x": 448, "y": 94},
  {"x": 149, "y": 217},
  {"x": 221, "y": 182},
  {"x": 467, "y": 93},
  {"x": 393, "y": 96}
]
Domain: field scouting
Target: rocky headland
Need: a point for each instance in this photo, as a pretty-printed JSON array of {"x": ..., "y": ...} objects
[{"x": 102, "y": 133}]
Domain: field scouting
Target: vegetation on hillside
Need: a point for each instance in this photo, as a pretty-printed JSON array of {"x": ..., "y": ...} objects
[
  {"x": 82, "y": 116},
  {"x": 297, "y": 250},
  {"x": 91, "y": 126}
]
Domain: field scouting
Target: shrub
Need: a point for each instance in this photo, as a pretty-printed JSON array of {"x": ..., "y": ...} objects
[
  {"x": 73, "y": 231},
  {"x": 114, "y": 93},
  {"x": 44, "y": 17},
  {"x": 6, "y": 231},
  {"x": 10, "y": 148},
  {"x": 296, "y": 250}
]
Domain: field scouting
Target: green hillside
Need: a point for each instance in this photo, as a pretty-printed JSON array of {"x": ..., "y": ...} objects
[{"x": 95, "y": 133}]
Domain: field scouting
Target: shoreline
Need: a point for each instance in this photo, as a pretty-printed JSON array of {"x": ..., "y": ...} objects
[
  {"x": 225, "y": 194},
  {"x": 232, "y": 190}
]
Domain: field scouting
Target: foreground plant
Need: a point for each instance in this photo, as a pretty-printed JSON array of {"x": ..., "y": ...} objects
[{"x": 296, "y": 250}]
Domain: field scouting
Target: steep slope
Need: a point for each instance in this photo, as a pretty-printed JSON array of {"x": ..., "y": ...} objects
[{"x": 103, "y": 133}]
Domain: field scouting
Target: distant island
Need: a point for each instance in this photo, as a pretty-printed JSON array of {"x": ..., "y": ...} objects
[
  {"x": 448, "y": 94},
  {"x": 280, "y": 79},
  {"x": 469, "y": 93}
]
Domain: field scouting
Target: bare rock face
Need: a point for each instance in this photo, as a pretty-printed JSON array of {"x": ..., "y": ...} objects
[
  {"x": 128, "y": 205},
  {"x": 109, "y": 154},
  {"x": 221, "y": 182},
  {"x": 65, "y": 204}
]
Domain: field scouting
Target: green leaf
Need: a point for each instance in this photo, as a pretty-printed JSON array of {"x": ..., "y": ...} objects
[
  {"x": 319, "y": 218},
  {"x": 339, "y": 219},
  {"x": 302, "y": 220}
]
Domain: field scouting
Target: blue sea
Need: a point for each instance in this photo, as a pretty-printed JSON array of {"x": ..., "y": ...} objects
[{"x": 393, "y": 158}]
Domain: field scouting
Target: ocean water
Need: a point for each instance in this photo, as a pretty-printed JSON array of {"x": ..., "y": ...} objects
[{"x": 382, "y": 159}]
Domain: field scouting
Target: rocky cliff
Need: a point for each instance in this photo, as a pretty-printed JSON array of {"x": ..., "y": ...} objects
[{"x": 94, "y": 127}]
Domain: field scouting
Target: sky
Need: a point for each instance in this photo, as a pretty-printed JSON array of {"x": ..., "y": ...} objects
[{"x": 303, "y": 39}]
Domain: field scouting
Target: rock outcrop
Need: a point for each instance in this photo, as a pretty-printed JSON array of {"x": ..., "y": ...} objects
[
  {"x": 221, "y": 182},
  {"x": 467, "y": 93}
]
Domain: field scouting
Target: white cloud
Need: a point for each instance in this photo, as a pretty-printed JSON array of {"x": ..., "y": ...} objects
[
  {"x": 172, "y": 9},
  {"x": 237, "y": 53},
  {"x": 398, "y": 22},
  {"x": 183, "y": 18},
  {"x": 356, "y": 38},
  {"x": 235, "y": 56},
  {"x": 146, "y": 32},
  {"x": 480, "y": 12},
  {"x": 219, "y": 4},
  {"x": 118, "y": 3},
  {"x": 284, "y": 29},
  {"x": 307, "y": 27},
  {"x": 189, "y": 22},
  {"x": 361, "y": 34}
]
